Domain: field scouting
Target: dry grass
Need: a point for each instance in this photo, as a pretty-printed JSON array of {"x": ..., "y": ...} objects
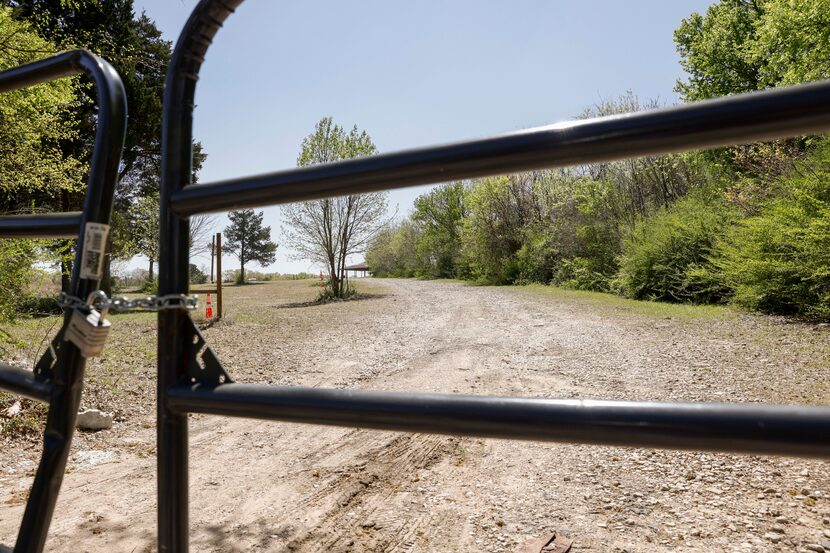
[{"x": 122, "y": 378}]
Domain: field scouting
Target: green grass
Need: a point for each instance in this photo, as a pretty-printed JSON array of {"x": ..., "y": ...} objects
[{"x": 617, "y": 304}]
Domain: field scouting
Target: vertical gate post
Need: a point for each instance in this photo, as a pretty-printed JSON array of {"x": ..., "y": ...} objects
[
  {"x": 173, "y": 352},
  {"x": 174, "y": 349}
]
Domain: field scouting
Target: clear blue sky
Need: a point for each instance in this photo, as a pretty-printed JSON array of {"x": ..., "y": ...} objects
[{"x": 413, "y": 73}]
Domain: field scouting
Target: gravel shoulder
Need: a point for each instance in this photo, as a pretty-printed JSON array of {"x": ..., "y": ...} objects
[{"x": 259, "y": 486}]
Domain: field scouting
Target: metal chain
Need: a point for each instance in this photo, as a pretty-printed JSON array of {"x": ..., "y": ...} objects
[{"x": 123, "y": 303}]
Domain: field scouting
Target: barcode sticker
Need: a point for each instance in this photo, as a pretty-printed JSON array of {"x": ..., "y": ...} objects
[{"x": 95, "y": 244}]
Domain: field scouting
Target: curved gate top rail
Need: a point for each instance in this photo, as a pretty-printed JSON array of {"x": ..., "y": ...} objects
[
  {"x": 191, "y": 378},
  {"x": 58, "y": 375}
]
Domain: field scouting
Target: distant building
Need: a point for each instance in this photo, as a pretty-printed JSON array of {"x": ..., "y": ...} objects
[{"x": 362, "y": 268}]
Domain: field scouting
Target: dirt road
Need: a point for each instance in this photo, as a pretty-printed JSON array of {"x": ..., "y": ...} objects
[{"x": 289, "y": 488}]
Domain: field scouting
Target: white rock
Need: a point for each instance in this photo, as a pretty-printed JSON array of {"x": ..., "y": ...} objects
[
  {"x": 13, "y": 410},
  {"x": 93, "y": 457},
  {"x": 93, "y": 419}
]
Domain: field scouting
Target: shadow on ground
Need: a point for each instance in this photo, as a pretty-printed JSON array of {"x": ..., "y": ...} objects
[{"x": 315, "y": 303}]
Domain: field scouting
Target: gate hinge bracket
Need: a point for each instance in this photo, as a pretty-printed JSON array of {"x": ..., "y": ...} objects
[
  {"x": 45, "y": 367},
  {"x": 204, "y": 366}
]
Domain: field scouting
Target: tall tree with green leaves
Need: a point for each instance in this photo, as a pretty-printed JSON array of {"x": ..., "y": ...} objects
[
  {"x": 744, "y": 45},
  {"x": 131, "y": 43},
  {"x": 34, "y": 172},
  {"x": 135, "y": 47},
  {"x": 441, "y": 213},
  {"x": 332, "y": 229},
  {"x": 145, "y": 229},
  {"x": 36, "y": 121},
  {"x": 249, "y": 240},
  {"x": 716, "y": 50}
]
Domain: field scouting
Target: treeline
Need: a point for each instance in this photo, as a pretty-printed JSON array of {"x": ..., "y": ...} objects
[
  {"x": 747, "y": 225},
  {"x": 46, "y": 139}
]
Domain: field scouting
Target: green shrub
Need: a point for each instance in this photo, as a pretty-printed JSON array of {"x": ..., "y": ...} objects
[
  {"x": 778, "y": 261},
  {"x": 38, "y": 306},
  {"x": 667, "y": 256},
  {"x": 537, "y": 256},
  {"x": 580, "y": 273},
  {"x": 327, "y": 293},
  {"x": 150, "y": 287},
  {"x": 16, "y": 271},
  {"x": 197, "y": 276}
]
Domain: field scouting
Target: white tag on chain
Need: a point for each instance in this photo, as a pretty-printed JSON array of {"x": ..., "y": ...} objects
[{"x": 95, "y": 245}]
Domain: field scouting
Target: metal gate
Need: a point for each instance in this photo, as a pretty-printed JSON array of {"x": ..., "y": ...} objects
[
  {"x": 58, "y": 375},
  {"x": 191, "y": 378}
]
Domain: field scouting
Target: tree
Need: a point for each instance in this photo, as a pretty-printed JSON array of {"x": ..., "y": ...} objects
[
  {"x": 745, "y": 45},
  {"x": 715, "y": 50},
  {"x": 777, "y": 259},
  {"x": 441, "y": 213},
  {"x": 249, "y": 240},
  {"x": 34, "y": 172},
  {"x": 135, "y": 222},
  {"x": 201, "y": 230},
  {"x": 394, "y": 252},
  {"x": 135, "y": 47},
  {"x": 146, "y": 229},
  {"x": 499, "y": 209},
  {"x": 132, "y": 44},
  {"x": 332, "y": 229},
  {"x": 33, "y": 169}
]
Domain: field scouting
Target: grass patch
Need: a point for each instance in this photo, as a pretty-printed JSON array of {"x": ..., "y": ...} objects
[{"x": 617, "y": 304}]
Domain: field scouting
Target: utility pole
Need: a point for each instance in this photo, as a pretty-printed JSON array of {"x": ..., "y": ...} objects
[
  {"x": 219, "y": 275},
  {"x": 212, "y": 253}
]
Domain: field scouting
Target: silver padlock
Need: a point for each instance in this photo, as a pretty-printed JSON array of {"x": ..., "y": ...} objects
[{"x": 88, "y": 328}]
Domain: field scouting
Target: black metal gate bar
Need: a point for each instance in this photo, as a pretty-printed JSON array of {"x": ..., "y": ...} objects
[
  {"x": 42, "y": 225},
  {"x": 744, "y": 118},
  {"x": 748, "y": 428},
  {"x": 63, "y": 391},
  {"x": 783, "y": 430},
  {"x": 22, "y": 382}
]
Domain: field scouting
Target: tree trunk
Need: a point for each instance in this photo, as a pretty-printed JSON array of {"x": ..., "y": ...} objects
[
  {"x": 106, "y": 278},
  {"x": 66, "y": 269},
  {"x": 151, "y": 269},
  {"x": 333, "y": 281}
]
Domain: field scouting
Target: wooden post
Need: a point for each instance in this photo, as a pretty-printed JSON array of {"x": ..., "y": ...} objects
[
  {"x": 218, "y": 275},
  {"x": 212, "y": 253}
]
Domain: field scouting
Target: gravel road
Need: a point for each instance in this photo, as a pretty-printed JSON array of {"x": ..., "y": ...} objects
[{"x": 276, "y": 487}]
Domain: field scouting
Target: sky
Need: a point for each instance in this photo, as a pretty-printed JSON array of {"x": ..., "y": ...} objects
[{"x": 412, "y": 74}]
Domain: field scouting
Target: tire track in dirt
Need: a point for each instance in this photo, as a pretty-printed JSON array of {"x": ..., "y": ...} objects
[
  {"x": 364, "y": 500},
  {"x": 355, "y": 505}
]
